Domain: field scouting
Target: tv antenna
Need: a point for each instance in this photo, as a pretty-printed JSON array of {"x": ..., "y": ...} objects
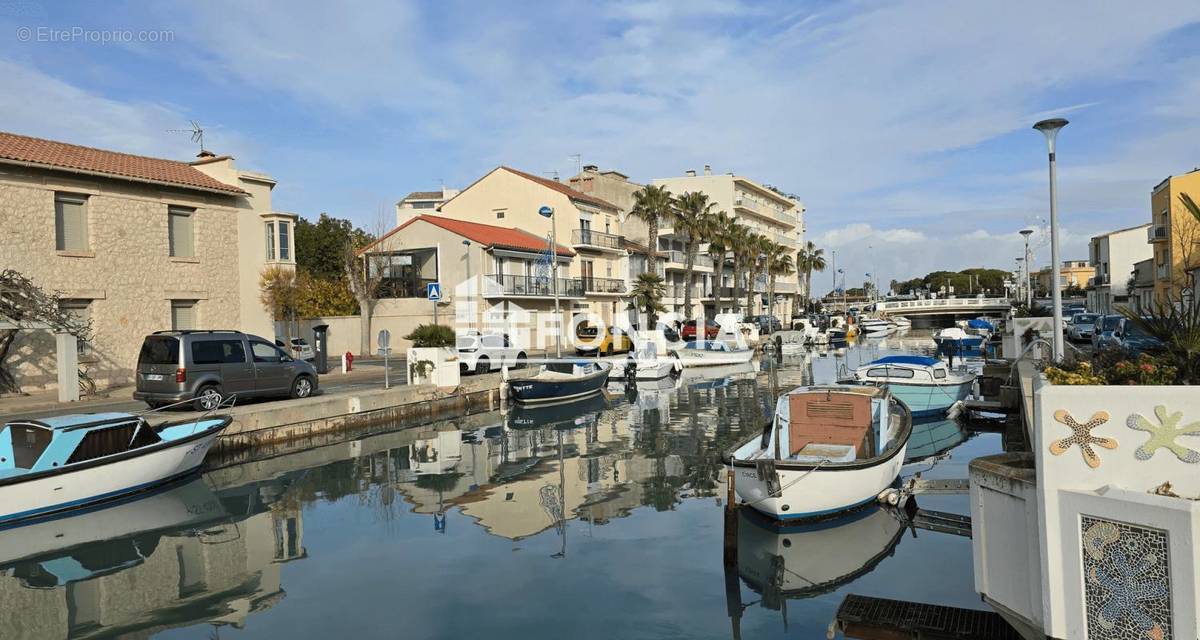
[{"x": 197, "y": 133}]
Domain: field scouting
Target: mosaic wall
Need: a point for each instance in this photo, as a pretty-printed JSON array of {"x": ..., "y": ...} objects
[{"x": 1127, "y": 581}]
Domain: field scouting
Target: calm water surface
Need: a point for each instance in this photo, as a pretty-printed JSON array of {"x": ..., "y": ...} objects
[{"x": 604, "y": 521}]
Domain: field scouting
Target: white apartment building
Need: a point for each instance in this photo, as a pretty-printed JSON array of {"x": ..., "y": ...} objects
[{"x": 1113, "y": 255}]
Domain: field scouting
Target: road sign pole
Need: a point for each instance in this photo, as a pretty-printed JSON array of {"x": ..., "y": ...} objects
[{"x": 387, "y": 383}]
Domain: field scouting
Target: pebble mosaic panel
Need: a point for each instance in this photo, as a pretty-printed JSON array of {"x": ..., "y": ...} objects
[{"x": 1127, "y": 580}]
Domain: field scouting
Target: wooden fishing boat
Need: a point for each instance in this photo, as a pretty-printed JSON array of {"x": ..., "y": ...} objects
[
  {"x": 828, "y": 449},
  {"x": 561, "y": 381}
]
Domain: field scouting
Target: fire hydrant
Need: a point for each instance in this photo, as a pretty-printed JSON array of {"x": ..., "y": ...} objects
[{"x": 347, "y": 362}]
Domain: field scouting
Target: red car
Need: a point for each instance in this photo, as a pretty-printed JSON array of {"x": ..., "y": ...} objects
[{"x": 711, "y": 330}]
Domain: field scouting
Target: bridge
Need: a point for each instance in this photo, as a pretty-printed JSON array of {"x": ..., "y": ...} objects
[{"x": 943, "y": 306}]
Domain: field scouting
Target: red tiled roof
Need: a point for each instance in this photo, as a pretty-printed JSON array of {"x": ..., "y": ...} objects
[
  {"x": 487, "y": 235},
  {"x": 563, "y": 189},
  {"x": 60, "y": 155}
]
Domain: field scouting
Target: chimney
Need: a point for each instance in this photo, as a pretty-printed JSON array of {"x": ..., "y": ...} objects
[
  {"x": 205, "y": 153},
  {"x": 691, "y": 173},
  {"x": 708, "y": 170},
  {"x": 590, "y": 167}
]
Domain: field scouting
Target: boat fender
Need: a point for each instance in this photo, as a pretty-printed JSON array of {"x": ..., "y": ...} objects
[
  {"x": 955, "y": 410},
  {"x": 889, "y": 496}
]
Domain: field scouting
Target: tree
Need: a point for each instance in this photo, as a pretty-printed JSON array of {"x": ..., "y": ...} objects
[
  {"x": 28, "y": 306},
  {"x": 652, "y": 205},
  {"x": 722, "y": 235},
  {"x": 320, "y": 246},
  {"x": 646, "y": 296},
  {"x": 813, "y": 259},
  {"x": 741, "y": 241},
  {"x": 1187, "y": 240},
  {"x": 758, "y": 247},
  {"x": 692, "y": 221},
  {"x": 316, "y": 297},
  {"x": 277, "y": 292},
  {"x": 779, "y": 263},
  {"x": 363, "y": 281}
]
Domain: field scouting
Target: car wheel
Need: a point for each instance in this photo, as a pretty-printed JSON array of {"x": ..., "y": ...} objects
[
  {"x": 207, "y": 398},
  {"x": 302, "y": 387},
  {"x": 609, "y": 351},
  {"x": 482, "y": 366},
  {"x": 521, "y": 360}
]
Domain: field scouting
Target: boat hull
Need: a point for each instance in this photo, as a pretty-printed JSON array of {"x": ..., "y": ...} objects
[
  {"x": 926, "y": 400},
  {"x": 49, "y": 495},
  {"x": 534, "y": 391},
  {"x": 697, "y": 358}
]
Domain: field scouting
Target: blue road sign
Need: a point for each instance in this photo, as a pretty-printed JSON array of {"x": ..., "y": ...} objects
[{"x": 433, "y": 291}]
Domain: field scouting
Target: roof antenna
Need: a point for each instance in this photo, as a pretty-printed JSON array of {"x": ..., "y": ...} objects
[{"x": 197, "y": 136}]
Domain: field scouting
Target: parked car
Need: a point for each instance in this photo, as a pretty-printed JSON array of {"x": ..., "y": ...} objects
[
  {"x": 1130, "y": 338},
  {"x": 766, "y": 323},
  {"x": 1102, "y": 336},
  {"x": 206, "y": 366},
  {"x": 482, "y": 353},
  {"x": 299, "y": 350},
  {"x": 615, "y": 340},
  {"x": 1081, "y": 326},
  {"x": 711, "y": 330}
]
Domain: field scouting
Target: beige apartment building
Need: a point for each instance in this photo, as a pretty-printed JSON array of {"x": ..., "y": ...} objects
[
  {"x": 1072, "y": 273},
  {"x": 419, "y": 202},
  {"x": 762, "y": 209},
  {"x": 589, "y": 225},
  {"x": 135, "y": 245},
  {"x": 1174, "y": 235}
]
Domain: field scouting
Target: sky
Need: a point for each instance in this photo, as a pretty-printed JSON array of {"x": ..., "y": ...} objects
[{"x": 903, "y": 126}]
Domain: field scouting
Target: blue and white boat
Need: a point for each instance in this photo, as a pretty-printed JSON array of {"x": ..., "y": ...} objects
[
  {"x": 561, "y": 381},
  {"x": 829, "y": 449},
  {"x": 52, "y": 465},
  {"x": 980, "y": 327},
  {"x": 956, "y": 340},
  {"x": 925, "y": 384}
]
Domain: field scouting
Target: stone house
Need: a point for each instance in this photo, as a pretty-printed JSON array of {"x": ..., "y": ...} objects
[{"x": 136, "y": 245}]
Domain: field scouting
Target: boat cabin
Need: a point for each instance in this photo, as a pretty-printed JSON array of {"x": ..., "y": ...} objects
[
  {"x": 30, "y": 446},
  {"x": 904, "y": 368}
]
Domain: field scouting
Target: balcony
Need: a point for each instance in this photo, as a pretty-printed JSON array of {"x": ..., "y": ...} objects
[
  {"x": 678, "y": 260},
  {"x": 766, "y": 211},
  {"x": 603, "y": 286},
  {"x": 678, "y": 291},
  {"x": 588, "y": 239},
  {"x": 503, "y": 286},
  {"x": 1156, "y": 233}
]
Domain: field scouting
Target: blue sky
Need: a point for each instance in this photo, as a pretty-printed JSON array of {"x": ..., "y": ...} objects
[{"x": 903, "y": 126}]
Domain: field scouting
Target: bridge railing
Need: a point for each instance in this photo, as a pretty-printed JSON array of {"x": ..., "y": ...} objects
[{"x": 941, "y": 303}]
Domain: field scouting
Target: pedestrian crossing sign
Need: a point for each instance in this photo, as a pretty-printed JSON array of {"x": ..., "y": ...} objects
[{"x": 433, "y": 291}]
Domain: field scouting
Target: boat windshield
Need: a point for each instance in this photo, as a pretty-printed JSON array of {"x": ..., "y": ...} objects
[{"x": 28, "y": 444}]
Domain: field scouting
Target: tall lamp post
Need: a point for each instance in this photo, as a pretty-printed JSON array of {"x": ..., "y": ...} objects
[
  {"x": 548, "y": 212},
  {"x": 470, "y": 310},
  {"x": 1028, "y": 289},
  {"x": 1021, "y": 281},
  {"x": 1050, "y": 129}
]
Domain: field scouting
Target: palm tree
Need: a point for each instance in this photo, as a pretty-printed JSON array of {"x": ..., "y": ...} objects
[
  {"x": 759, "y": 244},
  {"x": 720, "y": 241},
  {"x": 813, "y": 260},
  {"x": 694, "y": 222},
  {"x": 740, "y": 243},
  {"x": 652, "y": 205},
  {"x": 646, "y": 296},
  {"x": 779, "y": 263}
]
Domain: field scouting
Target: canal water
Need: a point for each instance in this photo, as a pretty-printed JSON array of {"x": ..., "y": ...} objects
[{"x": 604, "y": 521}]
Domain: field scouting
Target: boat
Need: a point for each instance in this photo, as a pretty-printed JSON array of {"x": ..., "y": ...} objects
[
  {"x": 644, "y": 364},
  {"x": 925, "y": 384},
  {"x": 955, "y": 340},
  {"x": 789, "y": 342},
  {"x": 708, "y": 353},
  {"x": 874, "y": 327},
  {"x": 979, "y": 327},
  {"x": 838, "y": 448},
  {"x": 836, "y": 335},
  {"x": 807, "y": 327},
  {"x": 50, "y": 466},
  {"x": 901, "y": 321},
  {"x": 561, "y": 381}
]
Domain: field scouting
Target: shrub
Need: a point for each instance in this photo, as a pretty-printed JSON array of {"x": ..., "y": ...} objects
[
  {"x": 431, "y": 335},
  {"x": 1073, "y": 374}
]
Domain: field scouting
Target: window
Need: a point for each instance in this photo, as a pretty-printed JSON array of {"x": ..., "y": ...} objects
[
  {"x": 28, "y": 444},
  {"x": 70, "y": 222},
  {"x": 180, "y": 236},
  {"x": 218, "y": 352},
  {"x": 285, "y": 246},
  {"x": 159, "y": 350},
  {"x": 113, "y": 440},
  {"x": 424, "y": 205},
  {"x": 183, "y": 315},
  {"x": 939, "y": 373},
  {"x": 499, "y": 213},
  {"x": 270, "y": 241},
  {"x": 81, "y": 310},
  {"x": 265, "y": 352},
  {"x": 889, "y": 372}
]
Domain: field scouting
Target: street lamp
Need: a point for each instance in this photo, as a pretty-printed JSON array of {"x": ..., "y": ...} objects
[
  {"x": 548, "y": 212},
  {"x": 1050, "y": 129},
  {"x": 470, "y": 311},
  {"x": 1028, "y": 289}
]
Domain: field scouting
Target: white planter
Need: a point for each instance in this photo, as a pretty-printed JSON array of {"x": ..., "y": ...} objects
[
  {"x": 1101, "y": 452},
  {"x": 433, "y": 365}
]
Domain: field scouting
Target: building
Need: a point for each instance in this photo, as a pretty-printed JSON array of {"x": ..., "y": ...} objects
[
  {"x": 764, "y": 210},
  {"x": 135, "y": 245},
  {"x": 493, "y": 278},
  {"x": 586, "y": 223},
  {"x": 1141, "y": 291},
  {"x": 419, "y": 202},
  {"x": 1074, "y": 273},
  {"x": 1174, "y": 234},
  {"x": 1112, "y": 256}
]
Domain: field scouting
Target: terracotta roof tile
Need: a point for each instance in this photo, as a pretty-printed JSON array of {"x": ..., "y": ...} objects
[
  {"x": 488, "y": 235},
  {"x": 563, "y": 189},
  {"x": 60, "y": 155}
]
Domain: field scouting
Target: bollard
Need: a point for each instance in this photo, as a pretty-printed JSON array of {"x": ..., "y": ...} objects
[
  {"x": 504, "y": 389},
  {"x": 347, "y": 362}
]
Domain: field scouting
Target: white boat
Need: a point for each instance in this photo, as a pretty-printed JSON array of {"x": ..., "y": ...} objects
[
  {"x": 838, "y": 448},
  {"x": 873, "y": 325},
  {"x": 925, "y": 384},
  {"x": 901, "y": 321},
  {"x": 718, "y": 375},
  {"x": 789, "y": 342},
  {"x": 708, "y": 353},
  {"x": 644, "y": 364},
  {"x": 54, "y": 465}
]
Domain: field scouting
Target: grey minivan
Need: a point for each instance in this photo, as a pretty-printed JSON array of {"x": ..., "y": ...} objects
[{"x": 204, "y": 366}]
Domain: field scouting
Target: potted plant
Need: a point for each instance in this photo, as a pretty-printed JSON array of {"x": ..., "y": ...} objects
[{"x": 432, "y": 358}]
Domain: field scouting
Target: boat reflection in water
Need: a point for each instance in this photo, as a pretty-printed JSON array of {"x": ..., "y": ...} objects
[
  {"x": 146, "y": 565},
  {"x": 790, "y": 562},
  {"x": 934, "y": 437}
]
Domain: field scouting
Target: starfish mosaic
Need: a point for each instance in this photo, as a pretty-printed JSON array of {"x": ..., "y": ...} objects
[
  {"x": 1082, "y": 436},
  {"x": 1163, "y": 435},
  {"x": 1128, "y": 581}
]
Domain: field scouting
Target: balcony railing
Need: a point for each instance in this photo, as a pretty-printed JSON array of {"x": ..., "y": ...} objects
[
  {"x": 603, "y": 285},
  {"x": 402, "y": 287},
  {"x": 678, "y": 259},
  {"x": 587, "y": 237},
  {"x": 533, "y": 286},
  {"x": 746, "y": 204},
  {"x": 1156, "y": 233}
]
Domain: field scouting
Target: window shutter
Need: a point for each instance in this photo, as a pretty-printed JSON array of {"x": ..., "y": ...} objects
[
  {"x": 183, "y": 315},
  {"x": 70, "y": 222},
  {"x": 180, "y": 232}
]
